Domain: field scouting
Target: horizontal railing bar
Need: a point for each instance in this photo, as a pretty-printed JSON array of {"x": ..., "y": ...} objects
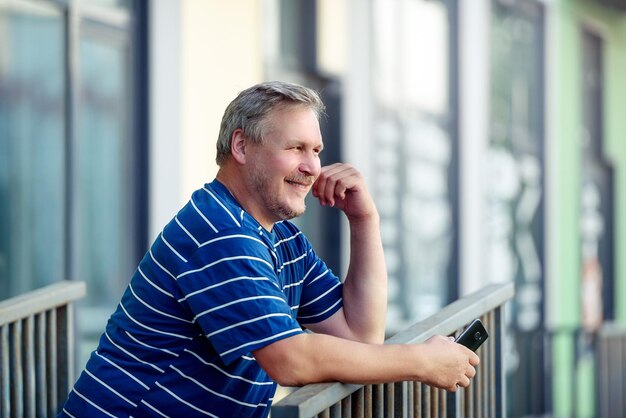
[
  {"x": 310, "y": 399},
  {"x": 307, "y": 398},
  {"x": 612, "y": 329},
  {"x": 456, "y": 315},
  {"x": 45, "y": 298}
]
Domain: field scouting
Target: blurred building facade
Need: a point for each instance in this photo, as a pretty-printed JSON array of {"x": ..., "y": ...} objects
[{"x": 490, "y": 131}]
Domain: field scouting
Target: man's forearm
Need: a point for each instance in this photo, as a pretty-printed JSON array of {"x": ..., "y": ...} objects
[
  {"x": 325, "y": 358},
  {"x": 314, "y": 358},
  {"x": 365, "y": 288}
]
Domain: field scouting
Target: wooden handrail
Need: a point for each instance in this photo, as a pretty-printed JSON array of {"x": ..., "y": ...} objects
[
  {"x": 610, "y": 358},
  {"x": 37, "y": 350},
  {"x": 487, "y": 303},
  {"x": 48, "y": 297}
]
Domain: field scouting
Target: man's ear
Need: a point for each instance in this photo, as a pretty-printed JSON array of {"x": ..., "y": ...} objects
[{"x": 238, "y": 146}]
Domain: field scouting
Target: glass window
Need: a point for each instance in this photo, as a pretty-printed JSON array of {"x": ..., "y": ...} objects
[
  {"x": 515, "y": 192},
  {"x": 105, "y": 174},
  {"x": 291, "y": 55},
  {"x": 70, "y": 163},
  {"x": 414, "y": 158},
  {"x": 597, "y": 205},
  {"x": 32, "y": 146},
  {"x": 110, "y": 4}
]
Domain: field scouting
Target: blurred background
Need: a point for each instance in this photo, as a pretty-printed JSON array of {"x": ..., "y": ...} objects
[{"x": 492, "y": 134}]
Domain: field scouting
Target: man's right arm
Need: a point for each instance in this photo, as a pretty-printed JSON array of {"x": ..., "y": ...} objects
[{"x": 314, "y": 358}]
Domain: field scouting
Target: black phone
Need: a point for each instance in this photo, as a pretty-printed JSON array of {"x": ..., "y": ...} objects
[{"x": 473, "y": 336}]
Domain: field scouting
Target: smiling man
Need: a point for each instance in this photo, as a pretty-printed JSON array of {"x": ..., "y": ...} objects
[{"x": 214, "y": 316}]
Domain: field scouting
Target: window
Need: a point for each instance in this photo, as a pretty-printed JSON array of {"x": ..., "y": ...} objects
[
  {"x": 32, "y": 146},
  {"x": 415, "y": 152},
  {"x": 291, "y": 54},
  {"x": 515, "y": 194},
  {"x": 597, "y": 206},
  {"x": 72, "y": 149}
]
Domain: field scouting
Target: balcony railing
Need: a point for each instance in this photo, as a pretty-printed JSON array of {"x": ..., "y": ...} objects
[
  {"x": 37, "y": 350},
  {"x": 485, "y": 397},
  {"x": 611, "y": 370}
]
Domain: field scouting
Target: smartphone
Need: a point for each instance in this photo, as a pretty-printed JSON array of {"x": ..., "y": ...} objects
[{"x": 473, "y": 336}]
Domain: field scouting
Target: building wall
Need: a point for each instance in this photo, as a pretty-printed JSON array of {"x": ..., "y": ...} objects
[
  {"x": 572, "y": 368},
  {"x": 202, "y": 54}
]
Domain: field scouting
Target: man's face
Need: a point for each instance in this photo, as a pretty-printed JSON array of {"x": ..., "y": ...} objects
[{"x": 283, "y": 168}]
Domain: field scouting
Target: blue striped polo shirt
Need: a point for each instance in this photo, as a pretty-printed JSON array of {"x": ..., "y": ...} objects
[{"x": 214, "y": 287}]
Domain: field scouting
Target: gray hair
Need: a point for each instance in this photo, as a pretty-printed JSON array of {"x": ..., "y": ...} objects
[{"x": 250, "y": 110}]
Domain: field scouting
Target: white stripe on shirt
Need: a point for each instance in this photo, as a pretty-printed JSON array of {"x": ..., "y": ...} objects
[
  {"x": 318, "y": 277},
  {"x": 221, "y": 260},
  {"x": 295, "y": 260},
  {"x": 212, "y": 240},
  {"x": 219, "y": 202},
  {"x": 233, "y": 302},
  {"x": 213, "y": 286},
  {"x": 132, "y": 337},
  {"x": 225, "y": 373},
  {"x": 153, "y": 329},
  {"x": 153, "y": 284},
  {"x": 172, "y": 248},
  {"x": 128, "y": 353},
  {"x": 321, "y": 296},
  {"x": 271, "y": 337},
  {"x": 154, "y": 409},
  {"x": 186, "y": 231},
  {"x": 159, "y": 264},
  {"x": 94, "y": 377},
  {"x": 184, "y": 401},
  {"x": 202, "y": 215},
  {"x": 248, "y": 321},
  {"x": 287, "y": 239},
  {"x": 117, "y": 366},
  {"x": 152, "y": 308},
  {"x": 92, "y": 403},
  {"x": 321, "y": 313},
  {"x": 221, "y": 395}
]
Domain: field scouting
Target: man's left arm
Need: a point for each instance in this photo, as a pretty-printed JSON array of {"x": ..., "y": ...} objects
[{"x": 362, "y": 317}]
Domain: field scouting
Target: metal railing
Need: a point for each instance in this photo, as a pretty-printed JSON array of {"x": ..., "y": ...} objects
[
  {"x": 485, "y": 397},
  {"x": 37, "y": 350},
  {"x": 611, "y": 370}
]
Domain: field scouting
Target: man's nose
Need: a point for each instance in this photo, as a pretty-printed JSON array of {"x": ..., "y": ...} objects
[{"x": 310, "y": 164}]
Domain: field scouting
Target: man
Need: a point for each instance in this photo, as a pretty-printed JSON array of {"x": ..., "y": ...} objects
[{"x": 214, "y": 316}]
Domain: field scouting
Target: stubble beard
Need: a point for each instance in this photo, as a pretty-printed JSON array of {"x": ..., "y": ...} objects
[{"x": 272, "y": 201}]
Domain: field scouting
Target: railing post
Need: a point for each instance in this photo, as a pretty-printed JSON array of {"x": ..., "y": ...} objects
[
  {"x": 611, "y": 370},
  {"x": 500, "y": 382},
  {"x": 37, "y": 350},
  {"x": 5, "y": 402},
  {"x": 484, "y": 398},
  {"x": 453, "y": 404},
  {"x": 65, "y": 361}
]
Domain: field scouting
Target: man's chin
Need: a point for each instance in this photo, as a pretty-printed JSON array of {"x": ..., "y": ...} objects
[{"x": 292, "y": 213}]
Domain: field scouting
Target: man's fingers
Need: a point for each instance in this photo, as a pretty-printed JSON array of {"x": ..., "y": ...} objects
[
  {"x": 333, "y": 182},
  {"x": 464, "y": 382},
  {"x": 474, "y": 359}
]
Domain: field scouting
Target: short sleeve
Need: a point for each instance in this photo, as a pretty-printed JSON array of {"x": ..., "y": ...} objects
[
  {"x": 321, "y": 292},
  {"x": 232, "y": 290}
]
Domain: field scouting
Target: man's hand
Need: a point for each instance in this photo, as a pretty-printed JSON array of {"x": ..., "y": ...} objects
[
  {"x": 313, "y": 358},
  {"x": 342, "y": 186},
  {"x": 447, "y": 364},
  {"x": 362, "y": 317}
]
